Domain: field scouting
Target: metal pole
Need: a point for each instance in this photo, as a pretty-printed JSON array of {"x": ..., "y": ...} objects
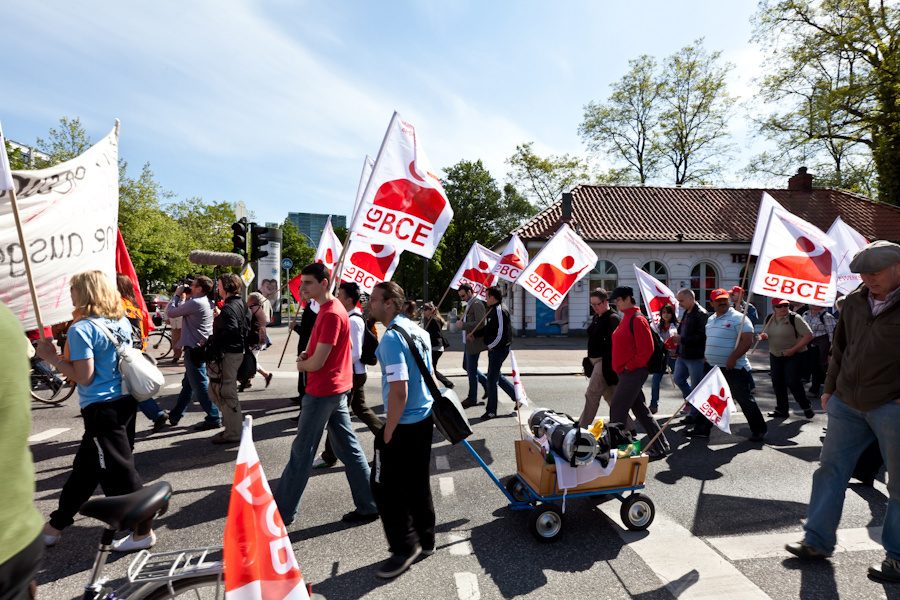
[{"x": 424, "y": 279}]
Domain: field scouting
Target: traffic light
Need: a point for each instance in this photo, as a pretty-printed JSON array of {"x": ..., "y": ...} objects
[
  {"x": 258, "y": 239},
  {"x": 239, "y": 239}
]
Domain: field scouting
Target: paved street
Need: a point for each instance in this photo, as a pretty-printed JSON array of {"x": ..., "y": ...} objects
[{"x": 725, "y": 507}]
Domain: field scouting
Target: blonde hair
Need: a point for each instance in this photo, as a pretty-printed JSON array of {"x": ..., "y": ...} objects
[{"x": 97, "y": 295}]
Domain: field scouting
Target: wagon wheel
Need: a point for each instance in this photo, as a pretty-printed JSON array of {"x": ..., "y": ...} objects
[
  {"x": 546, "y": 522},
  {"x": 516, "y": 489},
  {"x": 637, "y": 512}
]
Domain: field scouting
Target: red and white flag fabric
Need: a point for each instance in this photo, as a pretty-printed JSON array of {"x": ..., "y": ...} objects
[
  {"x": 404, "y": 203},
  {"x": 259, "y": 560},
  {"x": 654, "y": 292},
  {"x": 368, "y": 165},
  {"x": 476, "y": 270},
  {"x": 369, "y": 263},
  {"x": 713, "y": 399},
  {"x": 563, "y": 261},
  {"x": 6, "y": 182},
  {"x": 847, "y": 242},
  {"x": 521, "y": 397},
  {"x": 329, "y": 247},
  {"x": 796, "y": 261},
  {"x": 125, "y": 266},
  {"x": 513, "y": 260},
  {"x": 762, "y": 219}
]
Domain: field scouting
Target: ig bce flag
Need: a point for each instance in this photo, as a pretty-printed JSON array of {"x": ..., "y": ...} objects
[
  {"x": 329, "y": 247},
  {"x": 404, "y": 203},
  {"x": 512, "y": 261},
  {"x": 368, "y": 264},
  {"x": 476, "y": 270},
  {"x": 654, "y": 292},
  {"x": 564, "y": 260},
  {"x": 847, "y": 242},
  {"x": 712, "y": 397}
]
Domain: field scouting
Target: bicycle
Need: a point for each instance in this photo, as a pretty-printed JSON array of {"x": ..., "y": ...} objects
[
  {"x": 47, "y": 384},
  {"x": 159, "y": 342}
]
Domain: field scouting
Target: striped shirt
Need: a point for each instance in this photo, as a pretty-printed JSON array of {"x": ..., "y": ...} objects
[
  {"x": 721, "y": 334},
  {"x": 822, "y": 324}
]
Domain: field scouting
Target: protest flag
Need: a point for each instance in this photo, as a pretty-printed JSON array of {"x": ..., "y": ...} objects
[
  {"x": 368, "y": 165},
  {"x": 654, "y": 292},
  {"x": 847, "y": 242},
  {"x": 562, "y": 262},
  {"x": 513, "y": 260},
  {"x": 259, "y": 560},
  {"x": 762, "y": 219},
  {"x": 404, "y": 204},
  {"x": 368, "y": 263},
  {"x": 124, "y": 265},
  {"x": 329, "y": 248},
  {"x": 712, "y": 397},
  {"x": 476, "y": 270},
  {"x": 796, "y": 261},
  {"x": 6, "y": 182},
  {"x": 521, "y": 397}
]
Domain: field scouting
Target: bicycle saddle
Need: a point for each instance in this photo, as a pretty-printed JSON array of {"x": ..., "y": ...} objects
[{"x": 124, "y": 512}]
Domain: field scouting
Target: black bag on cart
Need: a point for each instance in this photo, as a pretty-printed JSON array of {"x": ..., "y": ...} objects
[{"x": 447, "y": 412}]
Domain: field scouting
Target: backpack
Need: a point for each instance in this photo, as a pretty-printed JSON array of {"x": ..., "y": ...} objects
[
  {"x": 140, "y": 378},
  {"x": 658, "y": 362},
  {"x": 370, "y": 344}
]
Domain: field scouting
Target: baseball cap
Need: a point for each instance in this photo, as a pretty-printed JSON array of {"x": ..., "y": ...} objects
[
  {"x": 779, "y": 301},
  {"x": 737, "y": 290},
  {"x": 717, "y": 294}
]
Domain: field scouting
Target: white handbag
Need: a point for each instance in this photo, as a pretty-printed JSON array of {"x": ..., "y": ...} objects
[{"x": 140, "y": 377}]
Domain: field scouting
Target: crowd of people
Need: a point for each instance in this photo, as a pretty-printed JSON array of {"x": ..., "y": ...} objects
[{"x": 842, "y": 356}]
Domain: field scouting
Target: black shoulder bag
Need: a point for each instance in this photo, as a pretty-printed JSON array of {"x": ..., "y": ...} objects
[{"x": 447, "y": 413}]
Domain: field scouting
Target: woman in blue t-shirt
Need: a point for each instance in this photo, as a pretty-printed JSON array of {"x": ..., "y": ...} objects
[{"x": 90, "y": 360}]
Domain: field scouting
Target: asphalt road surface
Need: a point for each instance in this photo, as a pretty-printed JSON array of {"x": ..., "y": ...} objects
[{"x": 724, "y": 509}]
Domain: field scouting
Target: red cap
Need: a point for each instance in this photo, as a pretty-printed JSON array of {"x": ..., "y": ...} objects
[
  {"x": 779, "y": 301},
  {"x": 717, "y": 294},
  {"x": 737, "y": 290}
]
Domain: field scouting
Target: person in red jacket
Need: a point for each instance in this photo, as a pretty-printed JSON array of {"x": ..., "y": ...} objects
[{"x": 632, "y": 347}]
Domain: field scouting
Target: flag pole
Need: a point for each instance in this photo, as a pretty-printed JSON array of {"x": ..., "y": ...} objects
[
  {"x": 287, "y": 339},
  {"x": 737, "y": 341},
  {"x": 438, "y": 305},
  {"x": 339, "y": 265},
  {"x": 27, "y": 261},
  {"x": 660, "y": 432},
  {"x": 747, "y": 301},
  {"x": 766, "y": 326}
]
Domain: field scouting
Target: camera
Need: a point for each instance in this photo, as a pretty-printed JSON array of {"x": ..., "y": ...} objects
[{"x": 186, "y": 282}]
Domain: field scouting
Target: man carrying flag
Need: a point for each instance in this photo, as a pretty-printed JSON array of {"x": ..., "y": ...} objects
[
  {"x": 497, "y": 334},
  {"x": 723, "y": 329}
]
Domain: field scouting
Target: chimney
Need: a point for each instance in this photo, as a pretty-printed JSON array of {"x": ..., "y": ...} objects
[
  {"x": 566, "y": 207},
  {"x": 801, "y": 182}
]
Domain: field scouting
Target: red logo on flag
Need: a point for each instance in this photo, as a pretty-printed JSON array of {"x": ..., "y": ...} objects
[
  {"x": 513, "y": 259},
  {"x": 377, "y": 262},
  {"x": 480, "y": 275},
  {"x": 809, "y": 267},
  {"x": 560, "y": 279},
  {"x": 407, "y": 197},
  {"x": 718, "y": 402},
  {"x": 657, "y": 302}
]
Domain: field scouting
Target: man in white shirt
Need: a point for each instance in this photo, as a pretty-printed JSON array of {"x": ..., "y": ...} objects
[{"x": 348, "y": 295}]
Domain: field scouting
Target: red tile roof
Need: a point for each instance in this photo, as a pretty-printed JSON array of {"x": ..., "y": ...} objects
[{"x": 605, "y": 213}]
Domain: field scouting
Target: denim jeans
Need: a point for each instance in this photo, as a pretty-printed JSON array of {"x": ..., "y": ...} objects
[
  {"x": 315, "y": 414},
  {"x": 656, "y": 380},
  {"x": 849, "y": 433},
  {"x": 683, "y": 367},
  {"x": 197, "y": 383},
  {"x": 470, "y": 364},
  {"x": 495, "y": 361},
  {"x": 150, "y": 409}
]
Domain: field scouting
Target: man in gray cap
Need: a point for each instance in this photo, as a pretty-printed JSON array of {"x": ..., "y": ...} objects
[{"x": 862, "y": 399}]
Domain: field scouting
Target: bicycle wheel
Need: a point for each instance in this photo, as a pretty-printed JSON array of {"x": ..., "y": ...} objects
[
  {"x": 198, "y": 587},
  {"x": 159, "y": 344},
  {"x": 49, "y": 385}
]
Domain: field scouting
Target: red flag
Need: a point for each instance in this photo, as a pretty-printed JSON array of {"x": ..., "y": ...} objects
[
  {"x": 294, "y": 285},
  {"x": 124, "y": 265},
  {"x": 259, "y": 560}
]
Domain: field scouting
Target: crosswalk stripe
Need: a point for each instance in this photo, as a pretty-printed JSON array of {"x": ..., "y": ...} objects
[
  {"x": 467, "y": 586},
  {"x": 771, "y": 545},
  {"x": 459, "y": 546},
  {"x": 447, "y": 487},
  {"x": 46, "y": 435},
  {"x": 695, "y": 571},
  {"x": 442, "y": 463}
]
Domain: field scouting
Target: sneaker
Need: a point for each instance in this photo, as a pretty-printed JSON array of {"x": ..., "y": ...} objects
[
  {"x": 160, "y": 422},
  {"x": 488, "y": 416},
  {"x": 693, "y": 433},
  {"x": 129, "y": 544},
  {"x": 354, "y": 516},
  {"x": 173, "y": 420},
  {"x": 803, "y": 550},
  {"x": 809, "y": 413},
  {"x": 396, "y": 564},
  {"x": 888, "y": 570},
  {"x": 207, "y": 425},
  {"x": 320, "y": 463},
  {"x": 50, "y": 539}
]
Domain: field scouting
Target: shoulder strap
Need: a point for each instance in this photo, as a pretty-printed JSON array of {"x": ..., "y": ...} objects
[
  {"x": 631, "y": 323},
  {"x": 426, "y": 374},
  {"x": 105, "y": 330},
  {"x": 792, "y": 317},
  {"x": 356, "y": 315}
]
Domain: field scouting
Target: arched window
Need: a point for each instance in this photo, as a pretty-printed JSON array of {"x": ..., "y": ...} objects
[
  {"x": 704, "y": 279},
  {"x": 605, "y": 275},
  {"x": 658, "y": 270}
]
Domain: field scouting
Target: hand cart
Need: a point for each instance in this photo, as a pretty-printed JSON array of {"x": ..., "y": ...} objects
[{"x": 535, "y": 487}]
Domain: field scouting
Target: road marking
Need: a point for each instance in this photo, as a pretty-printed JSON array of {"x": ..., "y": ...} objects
[
  {"x": 695, "y": 571},
  {"x": 172, "y": 386},
  {"x": 46, "y": 435},
  {"x": 460, "y": 546},
  {"x": 467, "y": 586},
  {"x": 442, "y": 463},
  {"x": 447, "y": 487},
  {"x": 772, "y": 545}
]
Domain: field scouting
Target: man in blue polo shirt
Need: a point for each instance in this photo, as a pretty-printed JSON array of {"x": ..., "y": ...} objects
[
  {"x": 725, "y": 351},
  {"x": 400, "y": 475}
]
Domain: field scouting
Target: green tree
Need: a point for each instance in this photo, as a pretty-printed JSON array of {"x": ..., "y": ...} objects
[
  {"x": 294, "y": 246},
  {"x": 545, "y": 179},
  {"x": 832, "y": 75},
  {"x": 65, "y": 143},
  {"x": 625, "y": 126},
  {"x": 696, "y": 108},
  {"x": 17, "y": 159}
]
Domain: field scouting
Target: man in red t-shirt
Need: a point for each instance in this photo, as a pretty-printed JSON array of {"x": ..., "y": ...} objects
[{"x": 329, "y": 371}]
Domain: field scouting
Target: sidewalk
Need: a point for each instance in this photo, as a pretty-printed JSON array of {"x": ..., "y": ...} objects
[{"x": 534, "y": 355}]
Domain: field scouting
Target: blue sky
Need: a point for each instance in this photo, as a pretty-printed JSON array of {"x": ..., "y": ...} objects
[{"x": 277, "y": 102}]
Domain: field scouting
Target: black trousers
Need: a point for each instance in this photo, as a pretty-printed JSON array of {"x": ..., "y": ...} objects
[
  {"x": 402, "y": 489},
  {"x": 357, "y": 401},
  {"x": 739, "y": 384},
  {"x": 786, "y": 373},
  {"x": 104, "y": 457},
  {"x": 17, "y": 573},
  {"x": 435, "y": 356},
  {"x": 629, "y": 396}
]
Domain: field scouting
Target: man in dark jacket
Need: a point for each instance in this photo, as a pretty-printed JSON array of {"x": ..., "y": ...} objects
[
  {"x": 862, "y": 399},
  {"x": 603, "y": 379},
  {"x": 497, "y": 334},
  {"x": 692, "y": 339}
]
